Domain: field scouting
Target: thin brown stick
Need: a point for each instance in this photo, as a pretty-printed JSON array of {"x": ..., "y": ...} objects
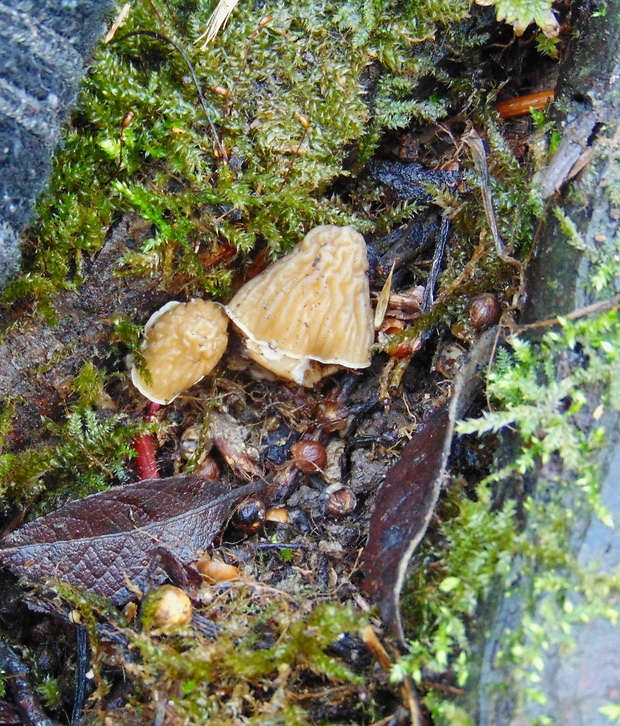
[{"x": 593, "y": 309}]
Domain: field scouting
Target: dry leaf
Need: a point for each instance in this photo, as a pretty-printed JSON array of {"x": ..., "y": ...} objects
[{"x": 104, "y": 543}]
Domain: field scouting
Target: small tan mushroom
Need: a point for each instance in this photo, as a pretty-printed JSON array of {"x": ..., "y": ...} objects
[
  {"x": 310, "y": 311},
  {"x": 183, "y": 343}
]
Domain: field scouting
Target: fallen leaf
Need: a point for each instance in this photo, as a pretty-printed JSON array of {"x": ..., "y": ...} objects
[
  {"x": 403, "y": 509},
  {"x": 407, "y": 498},
  {"x": 104, "y": 543}
]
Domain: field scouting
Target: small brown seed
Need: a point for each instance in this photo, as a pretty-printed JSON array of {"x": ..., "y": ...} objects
[
  {"x": 341, "y": 502},
  {"x": 216, "y": 570},
  {"x": 332, "y": 415},
  {"x": 484, "y": 311},
  {"x": 309, "y": 456},
  {"x": 277, "y": 514},
  {"x": 209, "y": 469},
  {"x": 250, "y": 515}
]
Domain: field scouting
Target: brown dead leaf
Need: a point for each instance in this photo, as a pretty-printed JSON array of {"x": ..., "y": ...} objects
[
  {"x": 105, "y": 542},
  {"x": 407, "y": 498}
]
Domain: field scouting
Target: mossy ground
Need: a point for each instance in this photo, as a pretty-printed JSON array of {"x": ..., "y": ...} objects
[{"x": 301, "y": 96}]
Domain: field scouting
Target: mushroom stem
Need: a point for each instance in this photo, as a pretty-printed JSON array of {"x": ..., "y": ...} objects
[{"x": 146, "y": 463}]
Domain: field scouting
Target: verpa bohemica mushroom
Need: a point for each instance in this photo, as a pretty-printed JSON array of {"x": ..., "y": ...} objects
[
  {"x": 183, "y": 343},
  {"x": 310, "y": 311}
]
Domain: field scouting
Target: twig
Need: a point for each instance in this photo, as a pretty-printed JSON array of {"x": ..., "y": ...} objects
[
  {"x": 593, "y": 309},
  {"x": 474, "y": 141},
  {"x": 411, "y": 700},
  {"x": 80, "y": 674},
  {"x": 440, "y": 248},
  {"x": 22, "y": 689},
  {"x": 203, "y": 103}
]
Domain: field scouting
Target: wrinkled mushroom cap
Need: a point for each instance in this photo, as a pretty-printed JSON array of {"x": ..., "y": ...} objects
[
  {"x": 311, "y": 306},
  {"x": 183, "y": 343}
]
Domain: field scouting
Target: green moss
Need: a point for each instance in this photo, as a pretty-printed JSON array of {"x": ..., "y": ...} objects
[
  {"x": 84, "y": 453},
  {"x": 266, "y": 649},
  {"x": 49, "y": 690},
  {"x": 273, "y": 189}
]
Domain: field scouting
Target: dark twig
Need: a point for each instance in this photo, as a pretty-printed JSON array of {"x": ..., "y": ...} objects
[
  {"x": 21, "y": 688},
  {"x": 438, "y": 254},
  {"x": 80, "y": 674},
  {"x": 203, "y": 103}
]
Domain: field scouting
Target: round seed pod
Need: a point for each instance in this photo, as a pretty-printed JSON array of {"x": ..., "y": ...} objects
[
  {"x": 183, "y": 343},
  {"x": 310, "y": 311},
  {"x": 484, "y": 311},
  {"x": 249, "y": 515},
  {"x": 341, "y": 502},
  {"x": 309, "y": 456}
]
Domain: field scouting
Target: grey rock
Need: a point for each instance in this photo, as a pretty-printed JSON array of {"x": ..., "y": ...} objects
[{"x": 45, "y": 47}]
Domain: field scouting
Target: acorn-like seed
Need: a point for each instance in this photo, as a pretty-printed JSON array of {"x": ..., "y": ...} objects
[
  {"x": 309, "y": 456},
  {"x": 484, "y": 311},
  {"x": 341, "y": 502},
  {"x": 250, "y": 515},
  {"x": 277, "y": 514}
]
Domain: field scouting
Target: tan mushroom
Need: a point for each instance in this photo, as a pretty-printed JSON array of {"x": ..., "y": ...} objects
[
  {"x": 183, "y": 343},
  {"x": 310, "y": 311}
]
